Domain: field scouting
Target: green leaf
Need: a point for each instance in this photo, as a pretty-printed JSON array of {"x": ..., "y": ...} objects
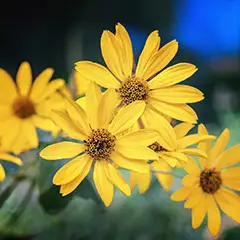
[
  {"x": 52, "y": 201},
  {"x": 5, "y": 194}
]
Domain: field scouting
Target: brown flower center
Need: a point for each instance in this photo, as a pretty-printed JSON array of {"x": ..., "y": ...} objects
[
  {"x": 156, "y": 147},
  {"x": 23, "y": 108},
  {"x": 133, "y": 89},
  {"x": 100, "y": 144},
  {"x": 210, "y": 180}
]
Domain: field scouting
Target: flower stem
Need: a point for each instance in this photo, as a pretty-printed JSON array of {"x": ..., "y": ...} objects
[{"x": 170, "y": 173}]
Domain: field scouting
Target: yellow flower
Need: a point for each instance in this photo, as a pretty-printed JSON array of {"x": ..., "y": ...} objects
[
  {"x": 26, "y": 105},
  {"x": 80, "y": 84},
  {"x": 4, "y": 155},
  {"x": 159, "y": 91},
  {"x": 102, "y": 143},
  {"x": 212, "y": 186}
]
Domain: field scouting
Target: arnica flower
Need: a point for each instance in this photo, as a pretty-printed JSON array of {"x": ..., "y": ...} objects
[
  {"x": 172, "y": 149},
  {"x": 25, "y": 106},
  {"x": 4, "y": 155},
  {"x": 158, "y": 91},
  {"x": 210, "y": 186},
  {"x": 102, "y": 143}
]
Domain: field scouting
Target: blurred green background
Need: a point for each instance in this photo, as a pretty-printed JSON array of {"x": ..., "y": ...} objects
[{"x": 57, "y": 34}]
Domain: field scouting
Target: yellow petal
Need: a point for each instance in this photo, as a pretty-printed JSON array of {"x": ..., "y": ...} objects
[
  {"x": 143, "y": 137},
  {"x": 194, "y": 152},
  {"x": 229, "y": 202},
  {"x": 112, "y": 54},
  {"x": 191, "y": 179},
  {"x": 230, "y": 157},
  {"x": 108, "y": 104},
  {"x": 103, "y": 184},
  {"x": 8, "y": 90},
  {"x": 126, "y": 45},
  {"x": 30, "y": 133},
  {"x": 72, "y": 169},
  {"x": 143, "y": 180},
  {"x": 230, "y": 178},
  {"x": 167, "y": 136},
  {"x": 62, "y": 150},
  {"x": 151, "y": 47},
  {"x": 6, "y": 111},
  {"x": 161, "y": 59},
  {"x": 218, "y": 148},
  {"x": 172, "y": 75},
  {"x": 177, "y": 111},
  {"x": 191, "y": 166},
  {"x": 199, "y": 212},
  {"x": 71, "y": 186},
  {"x": 126, "y": 117},
  {"x": 115, "y": 177},
  {"x": 232, "y": 183},
  {"x": 181, "y": 194},
  {"x": 214, "y": 217},
  {"x": 93, "y": 98},
  {"x": 166, "y": 180},
  {"x": 130, "y": 164},
  {"x": 40, "y": 83},
  {"x": 24, "y": 78},
  {"x": 45, "y": 124},
  {"x": 2, "y": 173},
  {"x": 182, "y": 129},
  {"x": 169, "y": 158},
  {"x": 10, "y": 158},
  {"x": 80, "y": 83},
  {"x": 63, "y": 121},
  {"x": 177, "y": 94},
  {"x": 136, "y": 152},
  {"x": 195, "y": 197},
  {"x": 97, "y": 73}
]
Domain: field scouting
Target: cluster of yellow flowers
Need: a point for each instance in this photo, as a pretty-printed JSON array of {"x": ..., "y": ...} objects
[{"x": 126, "y": 126}]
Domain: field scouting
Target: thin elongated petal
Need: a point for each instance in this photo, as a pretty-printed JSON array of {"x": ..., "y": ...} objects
[
  {"x": 161, "y": 59},
  {"x": 97, "y": 73},
  {"x": 30, "y": 133},
  {"x": 72, "y": 169},
  {"x": 194, "y": 197},
  {"x": 2, "y": 173},
  {"x": 24, "y": 78},
  {"x": 103, "y": 184},
  {"x": 166, "y": 180},
  {"x": 150, "y": 48},
  {"x": 232, "y": 183},
  {"x": 45, "y": 124},
  {"x": 181, "y": 194},
  {"x": 172, "y": 75},
  {"x": 191, "y": 179},
  {"x": 10, "y": 158},
  {"x": 71, "y": 186},
  {"x": 229, "y": 202},
  {"x": 177, "y": 111},
  {"x": 108, "y": 104},
  {"x": 168, "y": 158},
  {"x": 126, "y": 117},
  {"x": 81, "y": 83},
  {"x": 62, "y": 150},
  {"x": 8, "y": 90},
  {"x": 6, "y": 111},
  {"x": 143, "y": 180},
  {"x": 177, "y": 94},
  {"x": 40, "y": 83},
  {"x": 191, "y": 166},
  {"x": 130, "y": 164},
  {"x": 194, "y": 152},
  {"x": 182, "y": 129}
]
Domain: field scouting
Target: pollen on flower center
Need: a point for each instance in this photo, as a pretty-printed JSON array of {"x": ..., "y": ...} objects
[
  {"x": 100, "y": 144},
  {"x": 156, "y": 147},
  {"x": 23, "y": 108},
  {"x": 133, "y": 89},
  {"x": 210, "y": 180}
]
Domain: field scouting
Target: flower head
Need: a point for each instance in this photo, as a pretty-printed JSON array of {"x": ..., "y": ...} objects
[
  {"x": 211, "y": 186},
  {"x": 25, "y": 106},
  {"x": 160, "y": 91},
  {"x": 103, "y": 143}
]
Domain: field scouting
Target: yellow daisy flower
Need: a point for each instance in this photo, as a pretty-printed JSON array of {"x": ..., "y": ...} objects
[
  {"x": 26, "y": 105},
  {"x": 160, "y": 91},
  {"x": 102, "y": 143},
  {"x": 211, "y": 187}
]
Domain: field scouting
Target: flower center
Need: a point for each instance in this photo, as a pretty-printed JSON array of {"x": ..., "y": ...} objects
[
  {"x": 156, "y": 147},
  {"x": 133, "y": 89},
  {"x": 210, "y": 180},
  {"x": 23, "y": 108},
  {"x": 100, "y": 144}
]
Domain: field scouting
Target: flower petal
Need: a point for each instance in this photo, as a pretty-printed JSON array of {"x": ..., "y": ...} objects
[
  {"x": 230, "y": 178},
  {"x": 30, "y": 133},
  {"x": 2, "y": 173},
  {"x": 151, "y": 47},
  {"x": 24, "y": 78},
  {"x": 177, "y": 111},
  {"x": 195, "y": 197},
  {"x": 81, "y": 83},
  {"x": 126, "y": 117},
  {"x": 45, "y": 124},
  {"x": 161, "y": 59},
  {"x": 191, "y": 179},
  {"x": 103, "y": 184},
  {"x": 182, "y": 129},
  {"x": 191, "y": 166},
  {"x": 10, "y": 158},
  {"x": 62, "y": 150},
  {"x": 97, "y": 73},
  {"x": 173, "y": 75},
  {"x": 194, "y": 152},
  {"x": 143, "y": 180},
  {"x": 181, "y": 194},
  {"x": 72, "y": 169},
  {"x": 6, "y": 111}
]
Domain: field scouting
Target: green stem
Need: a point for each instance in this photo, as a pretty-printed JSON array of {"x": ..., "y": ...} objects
[{"x": 170, "y": 173}]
